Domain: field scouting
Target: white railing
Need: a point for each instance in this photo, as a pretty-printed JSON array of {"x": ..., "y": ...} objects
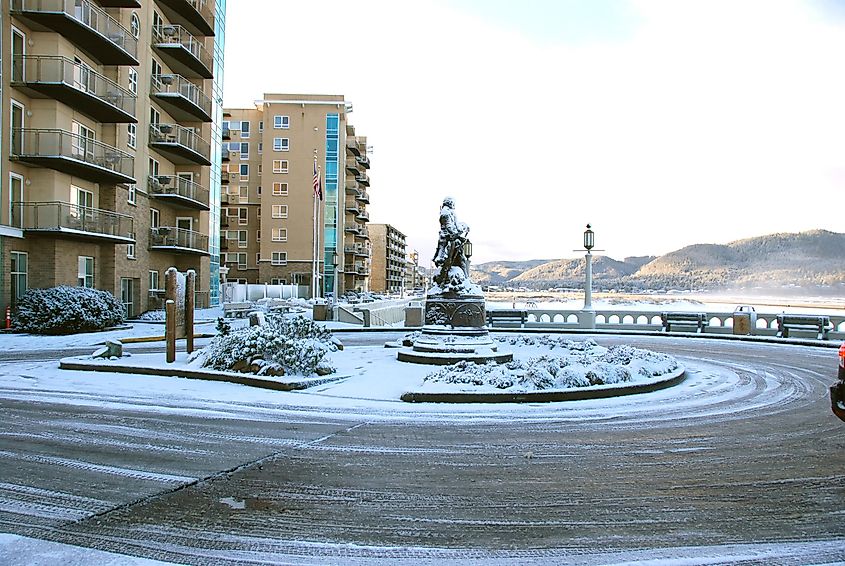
[{"x": 631, "y": 319}]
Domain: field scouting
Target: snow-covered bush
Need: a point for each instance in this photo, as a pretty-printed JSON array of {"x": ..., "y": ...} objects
[
  {"x": 579, "y": 364},
  {"x": 65, "y": 310},
  {"x": 291, "y": 346}
]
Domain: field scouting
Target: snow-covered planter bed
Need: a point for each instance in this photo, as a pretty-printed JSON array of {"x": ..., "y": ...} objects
[
  {"x": 560, "y": 365},
  {"x": 280, "y": 346}
]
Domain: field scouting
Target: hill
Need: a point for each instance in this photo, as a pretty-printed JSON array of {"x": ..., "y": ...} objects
[{"x": 807, "y": 259}]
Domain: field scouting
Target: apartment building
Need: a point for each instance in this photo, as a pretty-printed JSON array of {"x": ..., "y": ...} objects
[
  {"x": 387, "y": 274},
  {"x": 274, "y": 227},
  {"x": 111, "y": 167}
]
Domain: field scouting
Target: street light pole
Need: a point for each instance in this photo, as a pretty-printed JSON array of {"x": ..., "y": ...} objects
[{"x": 588, "y": 316}]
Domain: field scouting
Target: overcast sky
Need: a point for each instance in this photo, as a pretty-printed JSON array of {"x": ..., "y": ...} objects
[{"x": 663, "y": 123}]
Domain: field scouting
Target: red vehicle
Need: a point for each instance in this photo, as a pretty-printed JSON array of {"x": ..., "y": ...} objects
[{"x": 837, "y": 390}]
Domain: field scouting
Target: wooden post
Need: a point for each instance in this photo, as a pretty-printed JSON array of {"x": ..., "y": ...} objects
[
  {"x": 190, "y": 286},
  {"x": 170, "y": 330}
]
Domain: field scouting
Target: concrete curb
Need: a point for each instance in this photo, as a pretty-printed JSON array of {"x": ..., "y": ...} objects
[
  {"x": 230, "y": 377},
  {"x": 545, "y": 396}
]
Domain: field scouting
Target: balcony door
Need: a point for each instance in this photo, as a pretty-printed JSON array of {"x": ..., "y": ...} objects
[
  {"x": 82, "y": 144},
  {"x": 16, "y": 201},
  {"x": 16, "y": 125},
  {"x": 83, "y": 77},
  {"x": 18, "y": 52}
]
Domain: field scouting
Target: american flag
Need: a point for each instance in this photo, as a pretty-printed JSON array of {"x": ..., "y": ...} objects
[{"x": 318, "y": 184}]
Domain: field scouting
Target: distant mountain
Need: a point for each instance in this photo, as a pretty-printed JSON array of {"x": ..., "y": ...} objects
[{"x": 807, "y": 259}]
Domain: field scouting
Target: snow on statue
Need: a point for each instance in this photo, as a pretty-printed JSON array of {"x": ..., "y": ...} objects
[{"x": 449, "y": 257}]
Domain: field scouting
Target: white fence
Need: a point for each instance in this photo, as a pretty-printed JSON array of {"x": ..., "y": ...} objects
[{"x": 243, "y": 292}]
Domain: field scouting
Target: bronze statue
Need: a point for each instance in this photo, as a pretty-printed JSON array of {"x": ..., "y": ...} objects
[{"x": 449, "y": 257}]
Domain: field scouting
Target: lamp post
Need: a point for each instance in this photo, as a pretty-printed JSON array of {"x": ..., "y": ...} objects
[
  {"x": 467, "y": 254},
  {"x": 588, "y": 317}
]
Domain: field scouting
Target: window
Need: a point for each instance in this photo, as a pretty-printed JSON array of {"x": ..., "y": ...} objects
[
  {"x": 15, "y": 200},
  {"x": 244, "y": 129},
  {"x": 131, "y": 135},
  {"x": 244, "y": 150},
  {"x": 243, "y": 194},
  {"x": 241, "y": 260},
  {"x": 280, "y": 234},
  {"x": 258, "y": 235},
  {"x": 277, "y": 281},
  {"x": 85, "y": 271},
  {"x": 234, "y": 146},
  {"x": 281, "y": 122},
  {"x": 279, "y": 258},
  {"x": 130, "y": 193},
  {"x": 260, "y": 169},
  {"x": 133, "y": 81},
  {"x": 154, "y": 218},
  {"x": 153, "y": 167},
  {"x": 280, "y": 211},
  {"x": 127, "y": 294},
  {"x": 258, "y": 190},
  {"x": 257, "y": 259},
  {"x": 242, "y": 239},
  {"x": 261, "y": 125},
  {"x": 18, "y": 274},
  {"x": 280, "y": 189},
  {"x": 135, "y": 25},
  {"x": 154, "y": 281},
  {"x": 281, "y": 144},
  {"x": 130, "y": 251},
  {"x": 243, "y": 217},
  {"x": 244, "y": 170},
  {"x": 280, "y": 166},
  {"x": 260, "y": 147}
]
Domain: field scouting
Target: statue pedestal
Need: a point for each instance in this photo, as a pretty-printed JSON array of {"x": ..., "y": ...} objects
[{"x": 454, "y": 331}]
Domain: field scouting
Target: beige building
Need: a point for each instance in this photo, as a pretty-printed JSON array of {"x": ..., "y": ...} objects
[
  {"x": 111, "y": 161},
  {"x": 269, "y": 204},
  {"x": 387, "y": 274}
]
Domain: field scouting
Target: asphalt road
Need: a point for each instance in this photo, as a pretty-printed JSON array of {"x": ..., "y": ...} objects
[{"x": 729, "y": 466}]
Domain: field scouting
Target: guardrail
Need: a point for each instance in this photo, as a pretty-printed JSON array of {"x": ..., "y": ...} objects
[{"x": 649, "y": 320}]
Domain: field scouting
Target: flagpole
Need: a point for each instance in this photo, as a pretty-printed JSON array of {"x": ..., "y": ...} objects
[
  {"x": 314, "y": 237},
  {"x": 319, "y": 200}
]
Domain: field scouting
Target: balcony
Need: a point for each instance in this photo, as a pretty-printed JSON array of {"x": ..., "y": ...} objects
[
  {"x": 73, "y": 221},
  {"x": 180, "y": 145},
  {"x": 363, "y": 179},
  {"x": 75, "y": 85},
  {"x": 73, "y": 154},
  {"x": 352, "y": 166},
  {"x": 358, "y": 249},
  {"x": 227, "y": 133},
  {"x": 353, "y": 228},
  {"x": 364, "y": 161},
  {"x": 183, "y": 53},
  {"x": 178, "y": 191},
  {"x": 224, "y": 177},
  {"x": 363, "y": 196},
  {"x": 178, "y": 240},
  {"x": 85, "y": 24},
  {"x": 196, "y": 15},
  {"x": 182, "y": 99},
  {"x": 363, "y": 216},
  {"x": 352, "y": 188},
  {"x": 120, "y": 3},
  {"x": 352, "y": 208},
  {"x": 352, "y": 147},
  {"x": 224, "y": 155},
  {"x": 363, "y": 233}
]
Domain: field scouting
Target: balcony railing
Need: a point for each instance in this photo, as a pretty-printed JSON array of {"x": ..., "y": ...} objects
[
  {"x": 183, "y": 52},
  {"x": 363, "y": 233},
  {"x": 83, "y": 23},
  {"x": 352, "y": 188},
  {"x": 73, "y": 154},
  {"x": 197, "y": 15},
  {"x": 184, "y": 100},
  {"x": 181, "y": 145},
  {"x": 363, "y": 216},
  {"x": 73, "y": 220},
  {"x": 363, "y": 179},
  {"x": 120, "y": 3},
  {"x": 76, "y": 85},
  {"x": 353, "y": 228},
  {"x": 351, "y": 208},
  {"x": 363, "y": 196},
  {"x": 170, "y": 238},
  {"x": 352, "y": 165},
  {"x": 364, "y": 161},
  {"x": 224, "y": 177},
  {"x": 352, "y": 146},
  {"x": 178, "y": 190}
]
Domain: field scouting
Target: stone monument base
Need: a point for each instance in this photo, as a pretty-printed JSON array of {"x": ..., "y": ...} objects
[{"x": 454, "y": 331}]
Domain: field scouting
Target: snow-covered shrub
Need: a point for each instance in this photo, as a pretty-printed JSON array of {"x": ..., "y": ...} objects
[
  {"x": 292, "y": 346},
  {"x": 66, "y": 310},
  {"x": 578, "y": 364}
]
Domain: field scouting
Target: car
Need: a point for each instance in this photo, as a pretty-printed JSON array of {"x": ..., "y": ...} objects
[{"x": 837, "y": 390}]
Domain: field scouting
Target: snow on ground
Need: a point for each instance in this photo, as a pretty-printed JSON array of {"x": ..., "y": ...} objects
[{"x": 22, "y": 551}]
